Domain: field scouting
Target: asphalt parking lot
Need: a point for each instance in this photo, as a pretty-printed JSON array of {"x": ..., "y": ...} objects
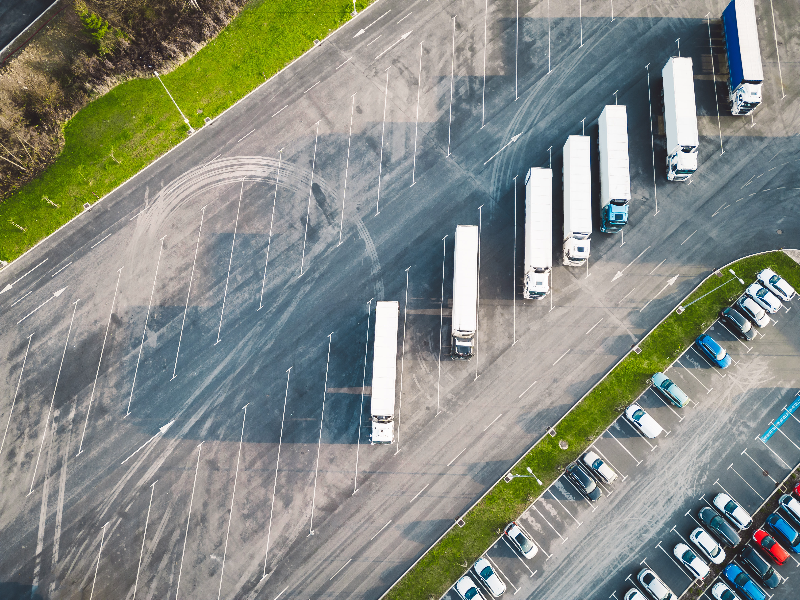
[{"x": 724, "y": 440}]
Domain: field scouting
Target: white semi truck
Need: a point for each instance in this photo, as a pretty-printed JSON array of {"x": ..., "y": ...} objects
[
  {"x": 465, "y": 292},
  {"x": 384, "y": 372},
  {"x": 615, "y": 174},
  {"x": 577, "y": 200},
  {"x": 538, "y": 232},
  {"x": 680, "y": 118},
  {"x": 745, "y": 73}
]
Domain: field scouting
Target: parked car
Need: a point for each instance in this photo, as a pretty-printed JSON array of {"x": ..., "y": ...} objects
[
  {"x": 719, "y": 526},
  {"x": 634, "y": 594},
  {"x": 583, "y": 482},
  {"x": 521, "y": 541},
  {"x": 751, "y": 310},
  {"x": 486, "y": 574},
  {"x": 707, "y": 545},
  {"x": 654, "y": 586},
  {"x": 791, "y": 507},
  {"x": 691, "y": 561},
  {"x": 731, "y": 509},
  {"x": 739, "y": 325},
  {"x": 770, "y": 546},
  {"x": 776, "y": 284},
  {"x": 467, "y": 589},
  {"x": 720, "y": 591},
  {"x": 742, "y": 583},
  {"x": 599, "y": 468},
  {"x": 785, "y": 534},
  {"x": 761, "y": 567},
  {"x": 797, "y": 487},
  {"x": 642, "y": 421},
  {"x": 669, "y": 389},
  {"x": 710, "y": 348},
  {"x": 764, "y": 298}
]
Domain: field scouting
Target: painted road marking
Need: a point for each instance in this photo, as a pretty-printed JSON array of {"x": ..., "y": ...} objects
[
  {"x": 277, "y": 463},
  {"x": 230, "y": 262},
  {"x": 457, "y": 455},
  {"x": 319, "y": 441},
  {"x": 16, "y": 391},
  {"x": 418, "y": 493},
  {"x": 308, "y": 207},
  {"x": 21, "y": 277},
  {"x": 188, "y": 519},
  {"x": 56, "y": 294},
  {"x": 188, "y": 292}
]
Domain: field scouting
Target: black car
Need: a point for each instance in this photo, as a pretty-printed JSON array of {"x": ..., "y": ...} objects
[
  {"x": 737, "y": 323},
  {"x": 719, "y": 526},
  {"x": 761, "y": 567},
  {"x": 583, "y": 482}
]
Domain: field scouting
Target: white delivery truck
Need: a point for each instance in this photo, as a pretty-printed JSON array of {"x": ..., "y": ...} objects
[
  {"x": 577, "y": 200},
  {"x": 745, "y": 73},
  {"x": 465, "y": 292},
  {"x": 384, "y": 372},
  {"x": 615, "y": 174},
  {"x": 680, "y": 118},
  {"x": 538, "y": 232}
]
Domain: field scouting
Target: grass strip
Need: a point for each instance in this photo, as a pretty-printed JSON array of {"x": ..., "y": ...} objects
[
  {"x": 123, "y": 131},
  {"x": 461, "y": 546}
]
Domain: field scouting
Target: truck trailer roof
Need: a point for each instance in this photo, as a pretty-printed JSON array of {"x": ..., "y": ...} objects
[
  {"x": 741, "y": 38},
  {"x": 465, "y": 279},
  {"x": 577, "y": 185},
  {"x": 384, "y": 363},
  {"x": 539, "y": 219},
  {"x": 680, "y": 113},
  {"x": 615, "y": 178}
]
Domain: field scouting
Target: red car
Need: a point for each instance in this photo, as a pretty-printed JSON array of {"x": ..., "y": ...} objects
[
  {"x": 770, "y": 546},
  {"x": 797, "y": 489}
]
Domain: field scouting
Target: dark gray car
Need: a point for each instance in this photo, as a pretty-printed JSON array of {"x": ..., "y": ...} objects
[
  {"x": 737, "y": 323},
  {"x": 583, "y": 482},
  {"x": 719, "y": 526},
  {"x": 761, "y": 567}
]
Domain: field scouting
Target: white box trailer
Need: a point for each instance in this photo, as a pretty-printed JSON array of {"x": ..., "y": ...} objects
[
  {"x": 465, "y": 292},
  {"x": 680, "y": 118},
  {"x": 384, "y": 372},
  {"x": 745, "y": 73},
  {"x": 577, "y": 200},
  {"x": 538, "y": 232},
  {"x": 615, "y": 173}
]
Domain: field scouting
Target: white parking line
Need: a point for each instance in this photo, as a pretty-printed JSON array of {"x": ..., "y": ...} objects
[
  {"x": 667, "y": 404},
  {"x": 680, "y": 566},
  {"x": 562, "y": 356},
  {"x": 514, "y": 552},
  {"x": 418, "y": 493},
  {"x": 638, "y": 462},
  {"x": 457, "y": 455},
  {"x": 593, "y": 326},
  {"x": 609, "y": 462},
  {"x": 641, "y": 436},
  {"x": 345, "y": 564},
  {"x": 758, "y": 437},
  {"x": 563, "y": 539},
  {"x": 786, "y": 436},
  {"x": 730, "y": 467},
  {"x": 708, "y": 390},
  {"x": 496, "y": 568},
  {"x": 492, "y": 423},
  {"x": 564, "y": 507},
  {"x": 713, "y": 368},
  {"x": 580, "y": 494},
  {"x": 734, "y": 335},
  {"x": 381, "y": 529},
  {"x": 763, "y": 470},
  {"x": 526, "y": 389}
]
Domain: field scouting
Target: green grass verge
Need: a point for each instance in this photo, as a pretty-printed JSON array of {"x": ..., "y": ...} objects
[
  {"x": 118, "y": 134},
  {"x": 461, "y": 546}
]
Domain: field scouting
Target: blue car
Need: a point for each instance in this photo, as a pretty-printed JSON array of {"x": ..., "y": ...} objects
[
  {"x": 742, "y": 583},
  {"x": 786, "y": 535},
  {"x": 711, "y": 349}
]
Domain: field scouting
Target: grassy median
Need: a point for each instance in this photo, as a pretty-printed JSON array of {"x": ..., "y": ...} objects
[
  {"x": 123, "y": 131},
  {"x": 461, "y": 546}
]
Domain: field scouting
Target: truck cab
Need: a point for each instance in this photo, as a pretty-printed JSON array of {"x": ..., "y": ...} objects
[
  {"x": 682, "y": 163},
  {"x": 536, "y": 283},
  {"x": 576, "y": 250},
  {"x": 680, "y": 118},
  {"x": 614, "y": 216}
]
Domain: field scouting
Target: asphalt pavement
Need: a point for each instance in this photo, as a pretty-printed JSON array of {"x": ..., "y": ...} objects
[{"x": 184, "y": 385}]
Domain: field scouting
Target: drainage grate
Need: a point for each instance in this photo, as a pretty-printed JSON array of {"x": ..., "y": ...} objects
[
  {"x": 637, "y": 350},
  {"x": 460, "y": 521},
  {"x": 87, "y": 206}
]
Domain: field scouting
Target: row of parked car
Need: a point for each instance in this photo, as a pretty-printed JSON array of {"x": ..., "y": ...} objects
[{"x": 770, "y": 540}]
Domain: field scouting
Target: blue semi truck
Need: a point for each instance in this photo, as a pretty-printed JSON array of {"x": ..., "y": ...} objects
[{"x": 745, "y": 73}]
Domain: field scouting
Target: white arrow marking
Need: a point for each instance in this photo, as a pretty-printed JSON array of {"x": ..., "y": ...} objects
[
  {"x": 402, "y": 37},
  {"x": 619, "y": 273},
  {"x": 161, "y": 431},
  {"x": 55, "y": 295},
  {"x": 670, "y": 281},
  {"x": 360, "y": 31},
  {"x": 513, "y": 139},
  {"x": 10, "y": 285}
]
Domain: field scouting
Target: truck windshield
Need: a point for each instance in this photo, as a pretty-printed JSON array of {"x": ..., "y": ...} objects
[
  {"x": 684, "y": 172},
  {"x": 688, "y": 149}
]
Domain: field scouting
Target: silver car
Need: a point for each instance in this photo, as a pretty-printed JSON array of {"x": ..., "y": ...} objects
[
  {"x": 731, "y": 509},
  {"x": 776, "y": 284},
  {"x": 642, "y": 421},
  {"x": 691, "y": 561},
  {"x": 599, "y": 468},
  {"x": 720, "y": 591},
  {"x": 752, "y": 311},
  {"x": 707, "y": 545},
  {"x": 670, "y": 389},
  {"x": 634, "y": 594},
  {"x": 521, "y": 541},
  {"x": 467, "y": 589},
  {"x": 764, "y": 298},
  {"x": 654, "y": 586},
  {"x": 486, "y": 574}
]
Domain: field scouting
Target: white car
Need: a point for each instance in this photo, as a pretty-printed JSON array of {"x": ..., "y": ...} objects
[
  {"x": 598, "y": 467},
  {"x": 654, "y": 586},
  {"x": 707, "y": 545},
  {"x": 467, "y": 589},
  {"x": 720, "y": 591},
  {"x": 634, "y": 594},
  {"x": 764, "y": 298},
  {"x": 776, "y": 284},
  {"x": 753, "y": 311},
  {"x": 486, "y": 574},
  {"x": 731, "y": 509},
  {"x": 691, "y": 561},
  {"x": 642, "y": 421},
  {"x": 521, "y": 541}
]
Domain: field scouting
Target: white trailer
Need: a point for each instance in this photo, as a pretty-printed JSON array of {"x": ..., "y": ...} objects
[
  {"x": 465, "y": 292},
  {"x": 577, "y": 200},
  {"x": 384, "y": 372},
  {"x": 538, "y": 232},
  {"x": 680, "y": 118},
  {"x": 745, "y": 73},
  {"x": 615, "y": 174}
]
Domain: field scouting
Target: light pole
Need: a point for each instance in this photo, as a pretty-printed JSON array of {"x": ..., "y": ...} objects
[
  {"x": 185, "y": 120},
  {"x": 511, "y": 476},
  {"x": 355, "y": 12}
]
